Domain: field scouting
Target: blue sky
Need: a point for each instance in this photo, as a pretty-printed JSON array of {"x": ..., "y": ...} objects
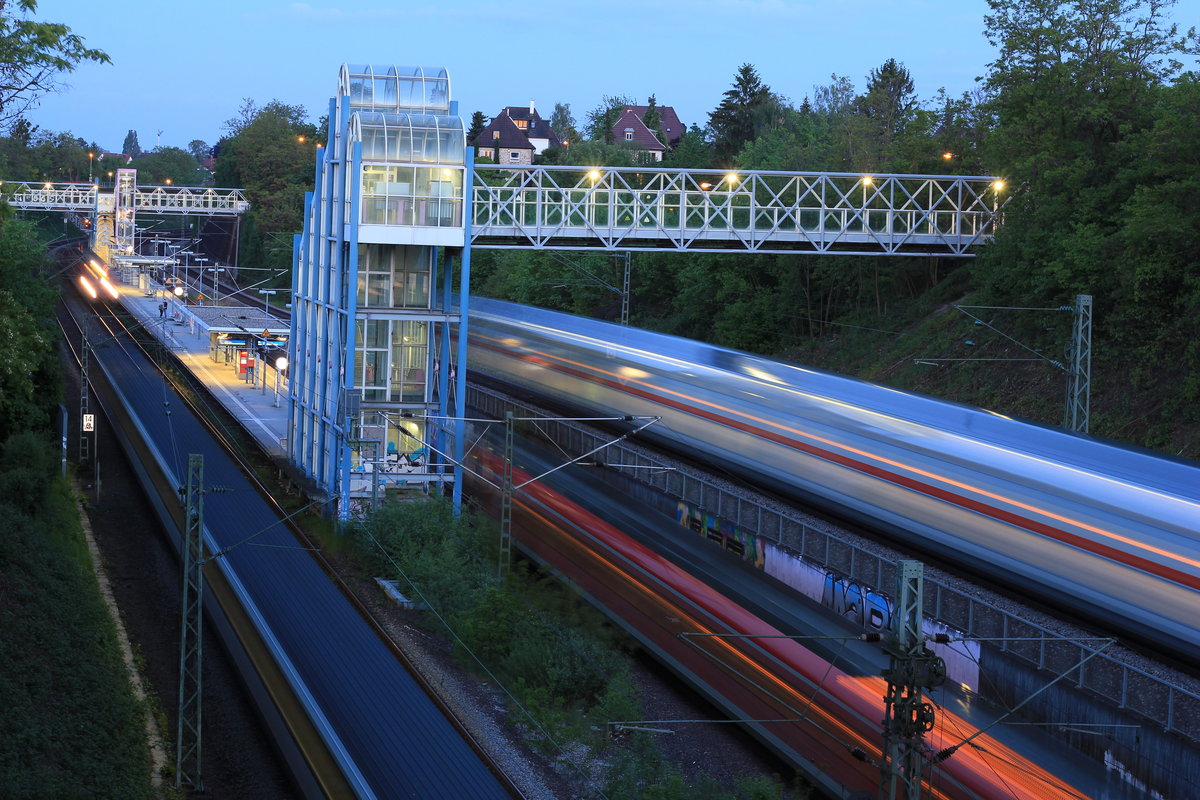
[{"x": 185, "y": 68}]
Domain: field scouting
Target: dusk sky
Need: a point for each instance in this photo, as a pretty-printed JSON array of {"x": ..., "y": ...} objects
[{"x": 185, "y": 68}]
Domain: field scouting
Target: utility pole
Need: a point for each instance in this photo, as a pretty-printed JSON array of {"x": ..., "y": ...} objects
[
  {"x": 187, "y": 738},
  {"x": 1079, "y": 389},
  {"x": 912, "y": 667},
  {"x": 506, "y": 493},
  {"x": 85, "y": 415},
  {"x": 625, "y": 291}
]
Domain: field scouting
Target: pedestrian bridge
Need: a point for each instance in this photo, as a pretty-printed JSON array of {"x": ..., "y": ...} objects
[
  {"x": 87, "y": 198},
  {"x": 659, "y": 209}
]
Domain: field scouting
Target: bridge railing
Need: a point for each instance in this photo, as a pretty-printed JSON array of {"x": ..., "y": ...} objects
[
  {"x": 36, "y": 196},
  {"x": 82, "y": 197},
  {"x": 664, "y": 209}
]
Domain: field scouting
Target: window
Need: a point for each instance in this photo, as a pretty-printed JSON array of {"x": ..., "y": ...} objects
[
  {"x": 629, "y": 134},
  {"x": 514, "y": 155}
]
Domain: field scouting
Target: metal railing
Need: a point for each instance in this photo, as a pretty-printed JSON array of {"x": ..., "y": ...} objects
[
  {"x": 88, "y": 197},
  {"x": 647, "y": 208}
]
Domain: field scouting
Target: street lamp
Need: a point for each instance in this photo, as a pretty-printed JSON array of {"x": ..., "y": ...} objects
[
  {"x": 90, "y": 157},
  {"x": 281, "y": 364},
  {"x": 266, "y": 293}
]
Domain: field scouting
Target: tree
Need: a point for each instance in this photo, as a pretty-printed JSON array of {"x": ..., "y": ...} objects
[
  {"x": 653, "y": 119},
  {"x": 199, "y": 149},
  {"x": 169, "y": 165},
  {"x": 602, "y": 118},
  {"x": 747, "y": 108},
  {"x": 692, "y": 152},
  {"x": 130, "y": 146},
  {"x": 32, "y": 54},
  {"x": 268, "y": 154},
  {"x": 890, "y": 100},
  {"x": 1086, "y": 102},
  {"x": 30, "y": 375},
  {"x": 478, "y": 122},
  {"x": 562, "y": 122}
]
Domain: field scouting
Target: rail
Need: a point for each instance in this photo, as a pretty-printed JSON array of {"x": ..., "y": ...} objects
[{"x": 1123, "y": 685}]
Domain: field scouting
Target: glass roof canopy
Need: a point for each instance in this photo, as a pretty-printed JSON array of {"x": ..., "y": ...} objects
[
  {"x": 392, "y": 88},
  {"x": 410, "y": 138}
]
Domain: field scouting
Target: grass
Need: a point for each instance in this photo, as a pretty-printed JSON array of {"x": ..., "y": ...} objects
[
  {"x": 70, "y": 726},
  {"x": 567, "y": 672}
]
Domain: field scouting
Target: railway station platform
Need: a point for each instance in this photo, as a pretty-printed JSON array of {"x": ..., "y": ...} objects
[{"x": 218, "y": 344}]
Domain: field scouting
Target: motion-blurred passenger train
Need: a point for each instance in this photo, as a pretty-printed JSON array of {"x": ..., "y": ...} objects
[{"x": 1107, "y": 531}]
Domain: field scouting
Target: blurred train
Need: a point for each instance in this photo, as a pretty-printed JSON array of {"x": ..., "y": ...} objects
[
  {"x": 813, "y": 712},
  {"x": 1109, "y": 532}
]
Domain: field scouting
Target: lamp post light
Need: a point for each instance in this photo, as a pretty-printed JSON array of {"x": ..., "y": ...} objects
[
  {"x": 281, "y": 364},
  {"x": 266, "y": 293},
  {"x": 90, "y": 157}
]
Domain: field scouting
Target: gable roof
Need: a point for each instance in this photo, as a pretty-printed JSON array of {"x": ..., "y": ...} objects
[
  {"x": 631, "y": 122},
  {"x": 538, "y": 127},
  {"x": 673, "y": 129},
  {"x": 503, "y": 132},
  {"x": 505, "y": 124}
]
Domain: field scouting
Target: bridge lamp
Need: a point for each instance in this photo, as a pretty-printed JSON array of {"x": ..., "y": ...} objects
[
  {"x": 593, "y": 175},
  {"x": 998, "y": 186},
  {"x": 731, "y": 179}
]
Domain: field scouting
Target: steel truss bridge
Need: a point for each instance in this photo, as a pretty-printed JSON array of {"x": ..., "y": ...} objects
[
  {"x": 658, "y": 209},
  {"x": 86, "y": 198}
]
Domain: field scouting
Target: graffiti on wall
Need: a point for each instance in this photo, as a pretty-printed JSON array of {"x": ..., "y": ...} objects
[{"x": 742, "y": 543}]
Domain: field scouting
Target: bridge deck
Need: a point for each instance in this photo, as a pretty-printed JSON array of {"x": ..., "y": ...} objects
[{"x": 636, "y": 208}]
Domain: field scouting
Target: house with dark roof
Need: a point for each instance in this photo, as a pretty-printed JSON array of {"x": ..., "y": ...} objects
[
  {"x": 631, "y": 131},
  {"x": 503, "y": 142},
  {"x": 672, "y": 128},
  {"x": 515, "y": 136}
]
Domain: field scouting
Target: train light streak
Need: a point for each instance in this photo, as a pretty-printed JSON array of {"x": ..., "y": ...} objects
[
  {"x": 108, "y": 287},
  {"x": 844, "y": 710},
  {"x": 87, "y": 287},
  {"x": 779, "y": 432}
]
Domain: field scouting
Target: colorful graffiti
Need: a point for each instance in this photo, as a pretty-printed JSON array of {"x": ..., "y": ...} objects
[{"x": 742, "y": 543}]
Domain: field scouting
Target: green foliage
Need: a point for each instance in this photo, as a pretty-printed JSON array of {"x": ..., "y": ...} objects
[
  {"x": 70, "y": 727},
  {"x": 479, "y": 121},
  {"x": 30, "y": 377},
  {"x": 27, "y": 465},
  {"x": 168, "y": 165},
  {"x": 692, "y": 152},
  {"x": 602, "y": 118},
  {"x": 562, "y": 121},
  {"x": 32, "y": 53},
  {"x": 130, "y": 146},
  {"x": 747, "y": 109},
  {"x": 269, "y": 154}
]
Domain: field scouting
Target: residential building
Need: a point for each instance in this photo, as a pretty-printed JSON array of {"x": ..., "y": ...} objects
[
  {"x": 672, "y": 128},
  {"x": 515, "y": 136}
]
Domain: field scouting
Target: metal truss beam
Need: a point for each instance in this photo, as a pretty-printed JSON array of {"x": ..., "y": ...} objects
[
  {"x": 655, "y": 209},
  {"x": 83, "y": 198}
]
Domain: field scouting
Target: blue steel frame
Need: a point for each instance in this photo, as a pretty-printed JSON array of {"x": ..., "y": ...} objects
[{"x": 322, "y": 347}]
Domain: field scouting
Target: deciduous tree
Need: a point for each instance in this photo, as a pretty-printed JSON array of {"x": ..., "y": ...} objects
[{"x": 32, "y": 55}]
